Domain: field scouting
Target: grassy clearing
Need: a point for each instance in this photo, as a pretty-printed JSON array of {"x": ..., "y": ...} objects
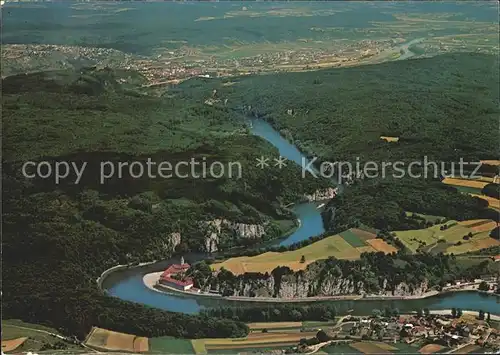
[
  {"x": 169, "y": 345},
  {"x": 468, "y": 190},
  {"x": 431, "y": 348},
  {"x": 427, "y": 217},
  {"x": 451, "y": 240}
]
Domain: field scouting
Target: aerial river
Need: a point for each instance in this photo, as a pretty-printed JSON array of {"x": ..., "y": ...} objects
[{"x": 128, "y": 284}]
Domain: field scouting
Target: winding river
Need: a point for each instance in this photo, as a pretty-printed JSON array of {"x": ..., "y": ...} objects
[{"x": 128, "y": 284}]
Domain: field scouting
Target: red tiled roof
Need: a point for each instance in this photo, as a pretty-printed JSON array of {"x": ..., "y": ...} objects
[
  {"x": 186, "y": 282},
  {"x": 176, "y": 268}
]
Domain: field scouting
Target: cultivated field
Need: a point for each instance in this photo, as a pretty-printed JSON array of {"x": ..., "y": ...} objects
[
  {"x": 381, "y": 245},
  {"x": 373, "y": 347},
  {"x": 13, "y": 344},
  {"x": 170, "y": 345},
  {"x": 103, "y": 339},
  {"x": 274, "y": 325},
  {"x": 451, "y": 239},
  {"x": 34, "y": 335},
  {"x": 257, "y": 340},
  {"x": 346, "y": 245}
]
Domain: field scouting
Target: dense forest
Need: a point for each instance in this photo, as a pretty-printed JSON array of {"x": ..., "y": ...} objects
[
  {"x": 59, "y": 237},
  {"x": 442, "y": 109}
]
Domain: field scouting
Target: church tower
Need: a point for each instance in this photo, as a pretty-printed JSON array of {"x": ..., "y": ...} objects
[{"x": 182, "y": 260}]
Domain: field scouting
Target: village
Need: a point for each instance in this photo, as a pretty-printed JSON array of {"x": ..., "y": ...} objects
[
  {"x": 175, "y": 65},
  {"x": 447, "y": 331}
]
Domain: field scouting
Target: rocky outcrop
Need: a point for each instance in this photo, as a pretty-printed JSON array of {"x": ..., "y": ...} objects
[
  {"x": 171, "y": 241},
  {"x": 217, "y": 228},
  {"x": 322, "y": 194},
  {"x": 174, "y": 239}
]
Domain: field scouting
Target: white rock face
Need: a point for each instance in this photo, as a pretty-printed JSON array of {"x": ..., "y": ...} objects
[
  {"x": 175, "y": 239},
  {"x": 215, "y": 228},
  {"x": 323, "y": 194},
  {"x": 171, "y": 241}
]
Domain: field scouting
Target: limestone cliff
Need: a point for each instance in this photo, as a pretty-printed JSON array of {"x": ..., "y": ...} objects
[
  {"x": 217, "y": 229},
  {"x": 308, "y": 284},
  {"x": 171, "y": 241}
]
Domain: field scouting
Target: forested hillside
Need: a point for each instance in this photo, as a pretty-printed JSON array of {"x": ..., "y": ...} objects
[
  {"x": 443, "y": 108},
  {"x": 59, "y": 237}
]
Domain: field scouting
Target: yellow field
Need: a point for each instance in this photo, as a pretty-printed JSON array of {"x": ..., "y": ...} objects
[
  {"x": 13, "y": 344},
  {"x": 486, "y": 178},
  {"x": 270, "y": 325},
  {"x": 479, "y": 228},
  {"x": 104, "y": 339},
  {"x": 464, "y": 182},
  {"x": 491, "y": 162},
  {"x": 381, "y": 245},
  {"x": 334, "y": 246},
  {"x": 389, "y": 139},
  {"x": 492, "y": 202},
  {"x": 367, "y": 249}
]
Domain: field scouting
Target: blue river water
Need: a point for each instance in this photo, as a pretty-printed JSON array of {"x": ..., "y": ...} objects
[{"x": 128, "y": 284}]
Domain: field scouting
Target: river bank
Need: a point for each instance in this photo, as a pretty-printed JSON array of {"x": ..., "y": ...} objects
[
  {"x": 151, "y": 282},
  {"x": 129, "y": 285},
  {"x": 472, "y": 313}
]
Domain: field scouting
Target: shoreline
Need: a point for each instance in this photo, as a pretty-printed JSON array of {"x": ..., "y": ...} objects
[{"x": 150, "y": 281}]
